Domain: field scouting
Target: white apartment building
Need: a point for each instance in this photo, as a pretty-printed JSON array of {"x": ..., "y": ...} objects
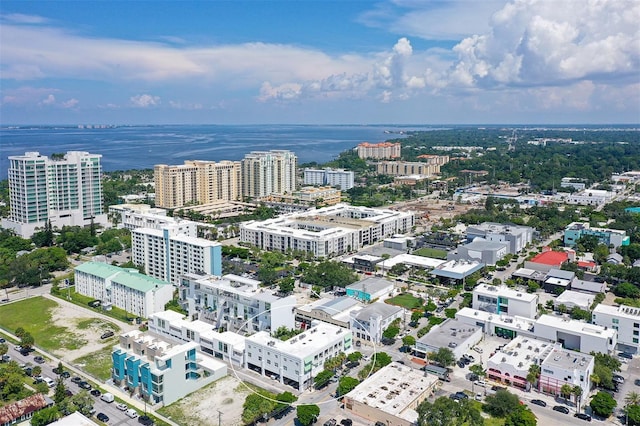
[
  {"x": 173, "y": 250},
  {"x": 160, "y": 371},
  {"x": 576, "y": 335},
  {"x": 575, "y": 183},
  {"x": 516, "y": 237},
  {"x": 295, "y": 362},
  {"x": 200, "y": 182},
  {"x": 64, "y": 189},
  {"x": 408, "y": 168},
  {"x": 589, "y": 197},
  {"x": 340, "y": 178},
  {"x": 126, "y": 289},
  {"x": 623, "y": 319},
  {"x": 558, "y": 366},
  {"x": 133, "y": 216},
  {"x": 380, "y": 150},
  {"x": 236, "y": 303},
  {"x": 268, "y": 172},
  {"x": 503, "y": 300},
  {"x": 328, "y": 231},
  {"x": 368, "y": 324},
  {"x": 171, "y": 325}
]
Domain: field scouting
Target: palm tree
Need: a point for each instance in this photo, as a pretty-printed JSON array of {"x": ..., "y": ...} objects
[
  {"x": 534, "y": 374},
  {"x": 595, "y": 379},
  {"x": 577, "y": 392},
  {"x": 565, "y": 390},
  {"x": 632, "y": 398}
]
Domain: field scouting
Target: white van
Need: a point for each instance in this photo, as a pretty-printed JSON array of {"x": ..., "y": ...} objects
[
  {"x": 107, "y": 397},
  {"x": 49, "y": 381},
  {"x": 132, "y": 413}
]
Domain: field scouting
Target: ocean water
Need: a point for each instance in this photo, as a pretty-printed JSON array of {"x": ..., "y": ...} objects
[{"x": 140, "y": 147}]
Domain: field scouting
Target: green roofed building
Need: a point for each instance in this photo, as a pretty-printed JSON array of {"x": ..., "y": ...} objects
[{"x": 126, "y": 289}]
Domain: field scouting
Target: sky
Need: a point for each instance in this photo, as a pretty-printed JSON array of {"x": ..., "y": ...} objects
[{"x": 320, "y": 62}]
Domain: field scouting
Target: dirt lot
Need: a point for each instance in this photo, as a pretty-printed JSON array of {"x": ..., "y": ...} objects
[{"x": 201, "y": 407}]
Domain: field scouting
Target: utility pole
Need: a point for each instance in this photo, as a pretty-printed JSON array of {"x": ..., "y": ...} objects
[{"x": 219, "y": 418}]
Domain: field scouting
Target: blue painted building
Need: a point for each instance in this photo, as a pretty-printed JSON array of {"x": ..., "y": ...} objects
[{"x": 610, "y": 237}]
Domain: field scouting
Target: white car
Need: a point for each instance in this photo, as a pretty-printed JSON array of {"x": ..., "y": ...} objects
[
  {"x": 132, "y": 413},
  {"x": 479, "y": 396},
  {"x": 480, "y": 382},
  {"x": 477, "y": 349},
  {"x": 122, "y": 406}
]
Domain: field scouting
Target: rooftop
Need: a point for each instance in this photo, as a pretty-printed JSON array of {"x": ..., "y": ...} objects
[
  {"x": 457, "y": 269},
  {"x": 511, "y": 322},
  {"x": 622, "y": 311},
  {"x": 567, "y": 360},
  {"x": 577, "y": 298},
  {"x": 413, "y": 260},
  {"x": 522, "y": 351},
  {"x": 450, "y": 333},
  {"x": 554, "y": 258},
  {"x": 130, "y": 278},
  {"x": 575, "y": 326},
  {"x": 504, "y": 291},
  {"x": 393, "y": 389},
  {"x": 529, "y": 273},
  {"x": 482, "y": 244},
  {"x": 372, "y": 285},
  {"x": 375, "y": 309},
  {"x": 308, "y": 343}
]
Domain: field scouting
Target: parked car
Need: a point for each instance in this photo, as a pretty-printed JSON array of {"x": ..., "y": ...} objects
[
  {"x": 469, "y": 357},
  {"x": 481, "y": 382},
  {"x": 145, "y": 420},
  {"x": 479, "y": 396},
  {"x": 76, "y": 379},
  {"x": 107, "y": 397},
  {"x": 477, "y": 349},
  {"x": 618, "y": 378},
  {"x": 331, "y": 422},
  {"x": 472, "y": 377},
  {"x": 625, "y": 355},
  {"x": 583, "y": 416},
  {"x": 6, "y": 358},
  {"x": 95, "y": 392},
  {"x": 346, "y": 422},
  {"x": 103, "y": 417},
  {"x": 461, "y": 364},
  {"x": 561, "y": 409},
  {"x": 636, "y": 382},
  {"x": 459, "y": 395},
  {"x": 38, "y": 359},
  {"x": 539, "y": 402},
  {"x": 122, "y": 406},
  {"x": 106, "y": 334},
  {"x": 85, "y": 385},
  {"x": 131, "y": 413}
]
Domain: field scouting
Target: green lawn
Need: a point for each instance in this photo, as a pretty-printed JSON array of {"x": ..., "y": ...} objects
[
  {"x": 406, "y": 300},
  {"x": 98, "y": 364},
  {"x": 34, "y": 315},
  {"x": 81, "y": 300},
  {"x": 431, "y": 252}
]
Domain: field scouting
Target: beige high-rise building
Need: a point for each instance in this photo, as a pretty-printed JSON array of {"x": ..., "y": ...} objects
[
  {"x": 269, "y": 172},
  {"x": 199, "y": 182},
  {"x": 380, "y": 150}
]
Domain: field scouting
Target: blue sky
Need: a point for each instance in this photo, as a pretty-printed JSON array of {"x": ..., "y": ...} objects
[{"x": 324, "y": 62}]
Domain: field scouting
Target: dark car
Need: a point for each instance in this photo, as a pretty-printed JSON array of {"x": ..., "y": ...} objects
[
  {"x": 102, "y": 417},
  {"x": 84, "y": 385},
  {"x": 625, "y": 355},
  {"x": 28, "y": 371},
  {"x": 583, "y": 416},
  {"x": 636, "y": 382},
  {"x": 76, "y": 379},
  {"x": 461, "y": 364},
  {"x": 539, "y": 402},
  {"x": 145, "y": 420},
  {"x": 65, "y": 375},
  {"x": 459, "y": 395},
  {"x": 106, "y": 334},
  {"x": 331, "y": 422},
  {"x": 346, "y": 422},
  {"x": 38, "y": 359},
  {"x": 95, "y": 392},
  {"x": 472, "y": 376},
  {"x": 561, "y": 409}
]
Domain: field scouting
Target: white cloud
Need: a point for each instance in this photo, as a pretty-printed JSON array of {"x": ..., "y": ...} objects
[
  {"x": 71, "y": 103},
  {"x": 185, "y": 105},
  {"x": 21, "y": 18},
  {"x": 145, "y": 101},
  {"x": 49, "y": 100}
]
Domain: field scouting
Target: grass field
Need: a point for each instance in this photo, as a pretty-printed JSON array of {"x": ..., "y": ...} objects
[
  {"x": 98, "y": 364},
  {"x": 405, "y": 300},
  {"x": 70, "y": 295},
  {"x": 34, "y": 315},
  {"x": 431, "y": 252}
]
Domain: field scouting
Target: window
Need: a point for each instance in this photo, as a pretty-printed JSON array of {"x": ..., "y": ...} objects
[
  {"x": 635, "y": 332},
  {"x": 259, "y": 358},
  {"x": 636, "y": 325},
  {"x": 635, "y": 340},
  {"x": 615, "y": 320}
]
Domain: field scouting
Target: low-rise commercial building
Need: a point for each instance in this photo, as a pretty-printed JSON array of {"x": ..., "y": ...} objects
[
  {"x": 588, "y": 197},
  {"x": 575, "y": 299},
  {"x": 391, "y": 395},
  {"x": 332, "y": 311},
  {"x": 576, "y": 335},
  {"x": 159, "y": 371},
  {"x": 503, "y": 300},
  {"x": 558, "y": 366},
  {"x": 480, "y": 250},
  {"x": 369, "y": 289},
  {"x": 236, "y": 303},
  {"x": 456, "y": 269},
  {"x": 516, "y": 237},
  {"x": 368, "y": 324},
  {"x": 547, "y": 260},
  {"x": 609, "y": 237},
  {"x": 588, "y": 286},
  {"x": 126, "y": 289},
  {"x": 623, "y": 319},
  {"x": 296, "y": 361},
  {"x": 453, "y": 334}
]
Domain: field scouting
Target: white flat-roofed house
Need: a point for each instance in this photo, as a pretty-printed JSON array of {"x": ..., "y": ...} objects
[
  {"x": 391, "y": 395},
  {"x": 454, "y": 334},
  {"x": 575, "y": 299},
  {"x": 510, "y": 365},
  {"x": 369, "y": 323},
  {"x": 576, "y": 335},
  {"x": 236, "y": 303},
  {"x": 174, "y": 326},
  {"x": 296, "y": 361},
  {"x": 335, "y": 311},
  {"x": 456, "y": 269},
  {"x": 623, "y": 319},
  {"x": 504, "y": 300},
  {"x": 588, "y": 286},
  {"x": 497, "y": 325},
  {"x": 161, "y": 371}
]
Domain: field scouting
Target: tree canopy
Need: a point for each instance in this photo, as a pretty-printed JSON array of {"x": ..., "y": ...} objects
[
  {"x": 329, "y": 273},
  {"x": 603, "y": 404}
]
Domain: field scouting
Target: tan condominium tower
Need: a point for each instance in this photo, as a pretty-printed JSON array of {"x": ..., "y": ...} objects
[
  {"x": 268, "y": 172},
  {"x": 197, "y": 182}
]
